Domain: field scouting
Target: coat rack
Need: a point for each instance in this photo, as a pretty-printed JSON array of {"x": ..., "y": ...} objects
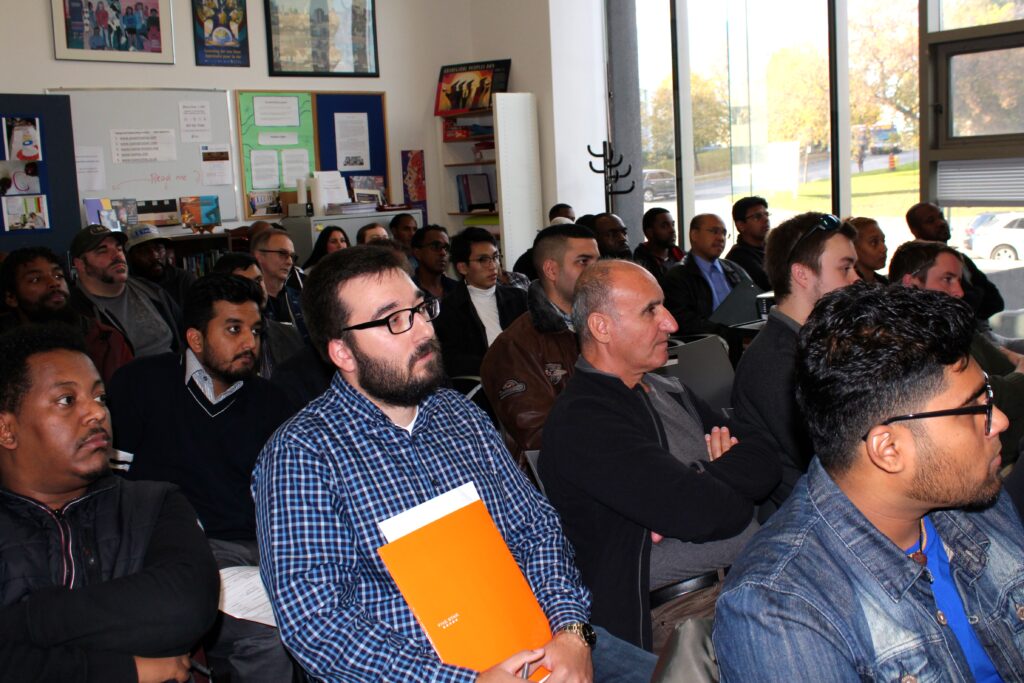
[{"x": 611, "y": 172}]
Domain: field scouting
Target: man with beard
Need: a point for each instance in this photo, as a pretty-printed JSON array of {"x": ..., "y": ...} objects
[
  {"x": 103, "y": 579},
  {"x": 148, "y": 258},
  {"x": 35, "y": 288},
  {"x": 212, "y": 417},
  {"x": 611, "y": 234},
  {"x": 139, "y": 310},
  {"x": 660, "y": 252},
  {"x": 382, "y": 439},
  {"x": 753, "y": 221},
  {"x": 896, "y": 557}
]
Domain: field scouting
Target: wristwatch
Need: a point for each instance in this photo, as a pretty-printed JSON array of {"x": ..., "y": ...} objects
[{"x": 584, "y": 631}]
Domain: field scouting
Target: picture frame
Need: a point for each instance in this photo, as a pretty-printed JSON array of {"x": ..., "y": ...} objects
[
  {"x": 220, "y": 32},
  {"x": 110, "y": 31},
  {"x": 300, "y": 41}
]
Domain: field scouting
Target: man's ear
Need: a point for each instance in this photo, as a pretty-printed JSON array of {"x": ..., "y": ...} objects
[
  {"x": 887, "y": 450},
  {"x": 195, "y": 340},
  {"x": 799, "y": 274},
  {"x": 8, "y": 431},
  {"x": 10, "y": 300},
  {"x": 908, "y": 280},
  {"x": 341, "y": 355},
  {"x": 462, "y": 268},
  {"x": 599, "y": 325},
  {"x": 550, "y": 269}
]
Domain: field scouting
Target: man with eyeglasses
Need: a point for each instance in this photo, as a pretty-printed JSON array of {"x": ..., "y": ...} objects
[
  {"x": 750, "y": 214},
  {"x": 939, "y": 268},
  {"x": 611, "y": 236},
  {"x": 476, "y": 312},
  {"x": 275, "y": 253},
  {"x": 806, "y": 257},
  {"x": 696, "y": 289},
  {"x": 382, "y": 439},
  {"x": 430, "y": 248},
  {"x": 897, "y": 558}
]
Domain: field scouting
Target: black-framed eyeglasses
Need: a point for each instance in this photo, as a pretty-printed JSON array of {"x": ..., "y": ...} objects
[
  {"x": 984, "y": 409},
  {"x": 438, "y": 246},
  {"x": 487, "y": 260},
  {"x": 284, "y": 254},
  {"x": 827, "y": 223},
  {"x": 401, "y": 321},
  {"x": 757, "y": 216}
]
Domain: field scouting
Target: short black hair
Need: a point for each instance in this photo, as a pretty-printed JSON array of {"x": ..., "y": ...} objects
[
  {"x": 361, "y": 233},
  {"x": 587, "y": 220},
  {"x": 209, "y": 289},
  {"x": 21, "y": 343},
  {"x": 913, "y": 221},
  {"x": 320, "y": 247},
  {"x": 916, "y": 258},
  {"x": 18, "y": 258},
  {"x": 462, "y": 244},
  {"x": 740, "y": 208},
  {"x": 867, "y": 353},
  {"x": 420, "y": 236},
  {"x": 557, "y": 209},
  {"x": 650, "y": 215},
  {"x": 326, "y": 314},
  {"x": 234, "y": 260},
  {"x": 397, "y": 218},
  {"x": 550, "y": 242},
  {"x": 782, "y": 249}
]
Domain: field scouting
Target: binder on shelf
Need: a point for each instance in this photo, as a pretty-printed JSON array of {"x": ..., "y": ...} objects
[{"x": 456, "y": 573}]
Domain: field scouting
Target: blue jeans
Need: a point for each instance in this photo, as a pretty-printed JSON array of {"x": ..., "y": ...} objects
[{"x": 616, "y": 661}]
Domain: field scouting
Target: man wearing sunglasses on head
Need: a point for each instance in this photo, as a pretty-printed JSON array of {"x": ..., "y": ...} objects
[
  {"x": 897, "y": 558},
  {"x": 806, "y": 257},
  {"x": 430, "y": 249}
]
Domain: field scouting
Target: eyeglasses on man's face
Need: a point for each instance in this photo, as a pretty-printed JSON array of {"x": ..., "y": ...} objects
[
  {"x": 438, "y": 245},
  {"x": 974, "y": 409},
  {"x": 487, "y": 261},
  {"x": 282, "y": 254},
  {"x": 759, "y": 215},
  {"x": 401, "y": 321}
]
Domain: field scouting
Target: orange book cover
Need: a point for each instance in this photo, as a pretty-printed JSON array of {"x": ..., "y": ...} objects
[{"x": 466, "y": 590}]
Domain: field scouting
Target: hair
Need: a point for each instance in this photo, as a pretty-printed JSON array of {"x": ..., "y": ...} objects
[
  {"x": 916, "y": 257},
  {"x": 18, "y": 258},
  {"x": 592, "y": 294},
  {"x": 740, "y": 208},
  {"x": 20, "y": 344},
  {"x": 867, "y": 353},
  {"x": 860, "y": 222},
  {"x": 419, "y": 237},
  {"x": 234, "y": 260},
  {"x": 556, "y": 210},
  {"x": 587, "y": 220},
  {"x": 650, "y": 215},
  {"x": 397, "y": 218},
  {"x": 260, "y": 240},
  {"x": 462, "y": 244},
  {"x": 320, "y": 248},
  {"x": 198, "y": 309},
  {"x": 783, "y": 240},
  {"x": 361, "y": 234},
  {"x": 696, "y": 221},
  {"x": 551, "y": 242},
  {"x": 326, "y": 312},
  {"x": 912, "y": 221}
]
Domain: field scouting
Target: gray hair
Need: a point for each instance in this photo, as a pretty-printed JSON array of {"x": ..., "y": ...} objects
[{"x": 592, "y": 294}]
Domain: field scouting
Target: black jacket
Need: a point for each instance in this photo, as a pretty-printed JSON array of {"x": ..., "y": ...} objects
[
  {"x": 607, "y": 470},
  {"x": 750, "y": 259},
  {"x": 461, "y": 333},
  {"x": 122, "y": 571},
  {"x": 979, "y": 292},
  {"x": 165, "y": 306}
]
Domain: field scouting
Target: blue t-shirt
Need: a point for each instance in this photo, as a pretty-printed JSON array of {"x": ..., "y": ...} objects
[{"x": 947, "y": 599}]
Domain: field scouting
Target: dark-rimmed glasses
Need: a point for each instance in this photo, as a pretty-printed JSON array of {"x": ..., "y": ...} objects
[
  {"x": 757, "y": 216},
  {"x": 438, "y": 245},
  {"x": 984, "y": 409},
  {"x": 827, "y": 223},
  {"x": 400, "y": 321},
  {"x": 486, "y": 261}
]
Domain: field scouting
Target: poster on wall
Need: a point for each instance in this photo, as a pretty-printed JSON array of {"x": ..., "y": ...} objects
[
  {"x": 220, "y": 32},
  {"x": 21, "y": 139},
  {"x": 462, "y": 88},
  {"x": 321, "y": 37},
  {"x": 414, "y": 182},
  {"x": 25, "y": 212},
  {"x": 113, "y": 30}
]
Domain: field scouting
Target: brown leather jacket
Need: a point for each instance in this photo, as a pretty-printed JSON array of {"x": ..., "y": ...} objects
[{"x": 527, "y": 367}]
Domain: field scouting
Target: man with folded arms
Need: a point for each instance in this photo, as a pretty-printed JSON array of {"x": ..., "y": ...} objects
[
  {"x": 382, "y": 439},
  {"x": 896, "y": 558}
]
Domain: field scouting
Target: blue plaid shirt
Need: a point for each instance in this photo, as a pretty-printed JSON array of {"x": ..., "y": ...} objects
[{"x": 337, "y": 468}]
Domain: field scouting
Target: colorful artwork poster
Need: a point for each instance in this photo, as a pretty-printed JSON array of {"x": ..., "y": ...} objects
[
  {"x": 414, "y": 181},
  {"x": 220, "y": 32},
  {"x": 462, "y": 88},
  {"x": 113, "y": 30},
  {"x": 21, "y": 139},
  {"x": 25, "y": 212}
]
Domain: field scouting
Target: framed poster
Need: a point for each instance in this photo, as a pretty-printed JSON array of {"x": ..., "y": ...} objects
[
  {"x": 113, "y": 30},
  {"x": 321, "y": 37},
  {"x": 462, "y": 88},
  {"x": 220, "y": 32}
]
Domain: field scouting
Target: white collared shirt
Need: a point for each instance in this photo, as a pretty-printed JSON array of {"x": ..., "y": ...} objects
[{"x": 195, "y": 370}]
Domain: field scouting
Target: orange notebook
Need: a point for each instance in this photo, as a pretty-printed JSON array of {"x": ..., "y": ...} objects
[{"x": 466, "y": 590}]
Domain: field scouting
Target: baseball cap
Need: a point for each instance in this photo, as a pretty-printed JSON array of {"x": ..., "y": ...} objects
[
  {"x": 90, "y": 237},
  {"x": 141, "y": 233}
]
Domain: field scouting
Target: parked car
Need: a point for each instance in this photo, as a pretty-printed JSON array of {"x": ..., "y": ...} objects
[
  {"x": 999, "y": 236},
  {"x": 659, "y": 183}
]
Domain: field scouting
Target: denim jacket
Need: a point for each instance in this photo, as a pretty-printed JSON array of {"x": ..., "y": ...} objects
[{"x": 821, "y": 595}]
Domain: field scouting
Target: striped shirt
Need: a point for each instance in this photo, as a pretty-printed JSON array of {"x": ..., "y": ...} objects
[{"x": 336, "y": 469}]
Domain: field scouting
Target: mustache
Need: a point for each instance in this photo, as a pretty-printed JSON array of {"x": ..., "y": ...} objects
[
  {"x": 245, "y": 354},
  {"x": 430, "y": 346},
  {"x": 93, "y": 432}
]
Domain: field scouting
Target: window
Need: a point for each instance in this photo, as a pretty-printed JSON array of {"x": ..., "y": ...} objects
[
  {"x": 955, "y": 14},
  {"x": 986, "y": 93}
]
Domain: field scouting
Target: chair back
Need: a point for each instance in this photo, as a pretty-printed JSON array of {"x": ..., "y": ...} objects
[{"x": 703, "y": 366}]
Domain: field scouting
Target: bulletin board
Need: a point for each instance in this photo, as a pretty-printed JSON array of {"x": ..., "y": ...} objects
[
  {"x": 155, "y": 144},
  {"x": 276, "y": 139},
  {"x": 360, "y": 121}
]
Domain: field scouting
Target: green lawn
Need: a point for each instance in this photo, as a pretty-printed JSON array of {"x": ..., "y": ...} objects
[{"x": 875, "y": 193}]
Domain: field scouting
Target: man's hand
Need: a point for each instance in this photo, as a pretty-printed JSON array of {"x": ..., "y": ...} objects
[
  {"x": 159, "y": 670},
  {"x": 719, "y": 442},
  {"x": 509, "y": 670},
  {"x": 567, "y": 657}
]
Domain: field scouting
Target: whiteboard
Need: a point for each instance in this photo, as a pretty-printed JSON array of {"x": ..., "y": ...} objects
[{"x": 102, "y": 119}]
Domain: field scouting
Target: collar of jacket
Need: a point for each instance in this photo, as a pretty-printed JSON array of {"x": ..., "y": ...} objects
[
  {"x": 104, "y": 483},
  {"x": 542, "y": 312}
]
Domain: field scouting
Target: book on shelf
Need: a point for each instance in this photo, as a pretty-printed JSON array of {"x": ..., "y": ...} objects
[{"x": 475, "y": 192}]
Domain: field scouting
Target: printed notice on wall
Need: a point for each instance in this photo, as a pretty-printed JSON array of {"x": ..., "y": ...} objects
[
  {"x": 92, "y": 174},
  {"x": 278, "y": 139},
  {"x": 195, "y": 121},
  {"x": 142, "y": 145},
  {"x": 216, "y": 166},
  {"x": 276, "y": 111},
  {"x": 264, "y": 169},
  {"x": 352, "y": 141}
]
